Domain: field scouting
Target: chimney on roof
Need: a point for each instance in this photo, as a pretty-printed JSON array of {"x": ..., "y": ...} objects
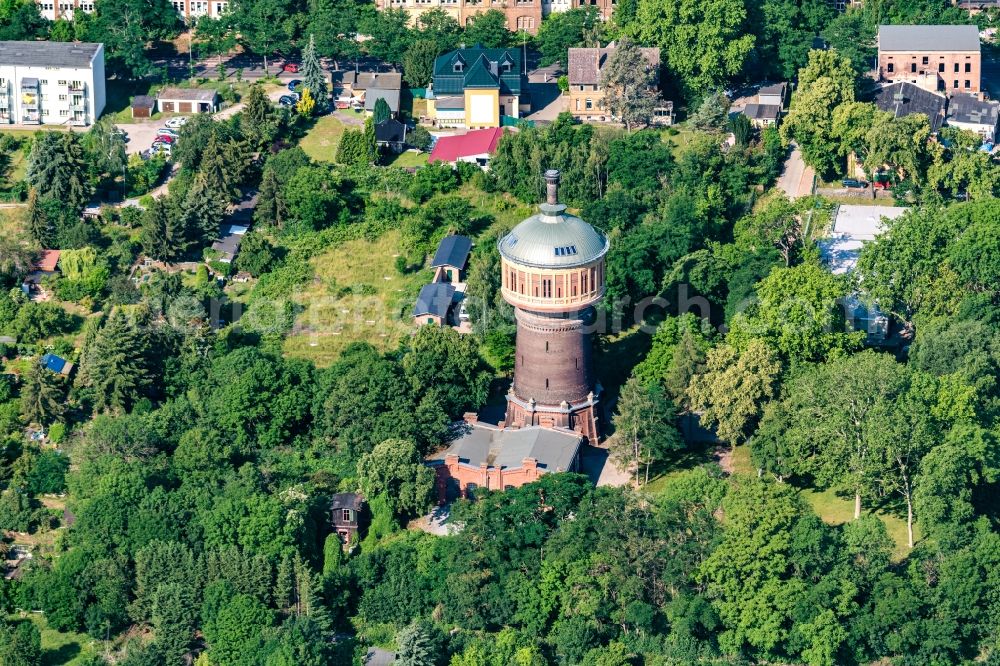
[{"x": 552, "y": 186}]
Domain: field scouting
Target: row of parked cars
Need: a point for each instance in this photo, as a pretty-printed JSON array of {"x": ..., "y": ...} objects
[{"x": 166, "y": 137}]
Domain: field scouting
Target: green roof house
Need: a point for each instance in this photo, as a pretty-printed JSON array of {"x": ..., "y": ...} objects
[{"x": 477, "y": 87}]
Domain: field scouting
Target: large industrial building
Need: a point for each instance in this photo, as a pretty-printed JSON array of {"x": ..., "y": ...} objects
[
  {"x": 51, "y": 83},
  {"x": 939, "y": 58}
]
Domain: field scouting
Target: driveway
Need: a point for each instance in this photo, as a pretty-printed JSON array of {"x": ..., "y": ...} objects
[
  {"x": 547, "y": 101},
  {"x": 596, "y": 464},
  {"x": 796, "y": 178},
  {"x": 140, "y": 135}
]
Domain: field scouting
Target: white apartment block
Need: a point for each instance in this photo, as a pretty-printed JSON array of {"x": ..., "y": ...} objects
[
  {"x": 189, "y": 10},
  {"x": 51, "y": 83}
]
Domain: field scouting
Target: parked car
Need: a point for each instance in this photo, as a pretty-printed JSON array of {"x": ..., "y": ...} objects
[
  {"x": 294, "y": 83},
  {"x": 160, "y": 148},
  {"x": 852, "y": 183},
  {"x": 166, "y": 131},
  {"x": 118, "y": 131},
  {"x": 176, "y": 123},
  {"x": 292, "y": 67},
  {"x": 286, "y": 100},
  {"x": 881, "y": 184}
]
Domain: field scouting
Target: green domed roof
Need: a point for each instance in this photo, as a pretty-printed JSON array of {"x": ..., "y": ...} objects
[{"x": 553, "y": 239}]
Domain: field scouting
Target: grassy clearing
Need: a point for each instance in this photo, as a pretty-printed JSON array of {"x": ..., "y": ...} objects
[
  {"x": 27, "y": 134},
  {"x": 356, "y": 295},
  {"x": 320, "y": 142},
  {"x": 835, "y": 509},
  {"x": 680, "y": 140},
  {"x": 11, "y": 221},
  {"x": 741, "y": 461},
  {"x": 59, "y": 648},
  {"x": 407, "y": 159}
]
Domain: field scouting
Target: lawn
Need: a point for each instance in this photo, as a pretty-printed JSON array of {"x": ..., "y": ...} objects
[
  {"x": 320, "y": 142},
  {"x": 681, "y": 139},
  {"x": 357, "y": 295},
  {"x": 61, "y": 649},
  {"x": 836, "y": 510},
  {"x": 28, "y": 133},
  {"x": 408, "y": 158}
]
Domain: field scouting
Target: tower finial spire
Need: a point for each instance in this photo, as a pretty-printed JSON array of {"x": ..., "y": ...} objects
[{"x": 552, "y": 187}]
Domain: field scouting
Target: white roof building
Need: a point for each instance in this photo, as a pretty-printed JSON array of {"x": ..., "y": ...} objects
[{"x": 853, "y": 226}]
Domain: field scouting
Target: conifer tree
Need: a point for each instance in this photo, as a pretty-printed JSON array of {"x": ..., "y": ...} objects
[
  {"x": 629, "y": 81},
  {"x": 284, "y": 584},
  {"x": 313, "y": 77},
  {"x": 221, "y": 175},
  {"x": 204, "y": 209},
  {"x": 39, "y": 225},
  {"x": 257, "y": 119},
  {"x": 414, "y": 646},
  {"x": 382, "y": 111},
  {"x": 369, "y": 142},
  {"x": 270, "y": 205},
  {"x": 58, "y": 169},
  {"x": 42, "y": 397},
  {"x": 317, "y": 610},
  {"x": 306, "y": 104},
  {"x": 119, "y": 371},
  {"x": 163, "y": 235}
]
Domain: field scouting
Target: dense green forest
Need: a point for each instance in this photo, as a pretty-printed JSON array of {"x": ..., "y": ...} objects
[{"x": 175, "y": 487}]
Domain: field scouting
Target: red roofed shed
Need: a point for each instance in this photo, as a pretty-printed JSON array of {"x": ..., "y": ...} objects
[
  {"x": 476, "y": 146},
  {"x": 47, "y": 261}
]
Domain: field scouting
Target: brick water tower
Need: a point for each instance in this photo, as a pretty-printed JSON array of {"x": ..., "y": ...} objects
[{"x": 553, "y": 275}]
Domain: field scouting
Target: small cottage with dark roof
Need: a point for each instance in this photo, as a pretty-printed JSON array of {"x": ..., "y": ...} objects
[
  {"x": 451, "y": 258},
  {"x": 903, "y": 99},
  {"x": 348, "y": 515},
  {"x": 142, "y": 106},
  {"x": 391, "y": 134},
  {"x": 434, "y": 304},
  {"x": 762, "y": 115}
]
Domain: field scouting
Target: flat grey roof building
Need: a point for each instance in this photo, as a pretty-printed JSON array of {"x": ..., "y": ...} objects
[
  {"x": 972, "y": 110},
  {"x": 48, "y": 54},
  {"x": 908, "y": 38},
  {"x": 188, "y": 94}
]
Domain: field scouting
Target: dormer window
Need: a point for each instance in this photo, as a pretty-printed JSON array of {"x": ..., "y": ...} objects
[
  {"x": 457, "y": 67},
  {"x": 506, "y": 67}
]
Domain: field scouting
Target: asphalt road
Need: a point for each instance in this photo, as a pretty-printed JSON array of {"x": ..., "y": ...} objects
[{"x": 796, "y": 178}]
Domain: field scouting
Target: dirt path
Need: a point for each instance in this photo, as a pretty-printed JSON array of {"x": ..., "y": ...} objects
[{"x": 724, "y": 456}]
